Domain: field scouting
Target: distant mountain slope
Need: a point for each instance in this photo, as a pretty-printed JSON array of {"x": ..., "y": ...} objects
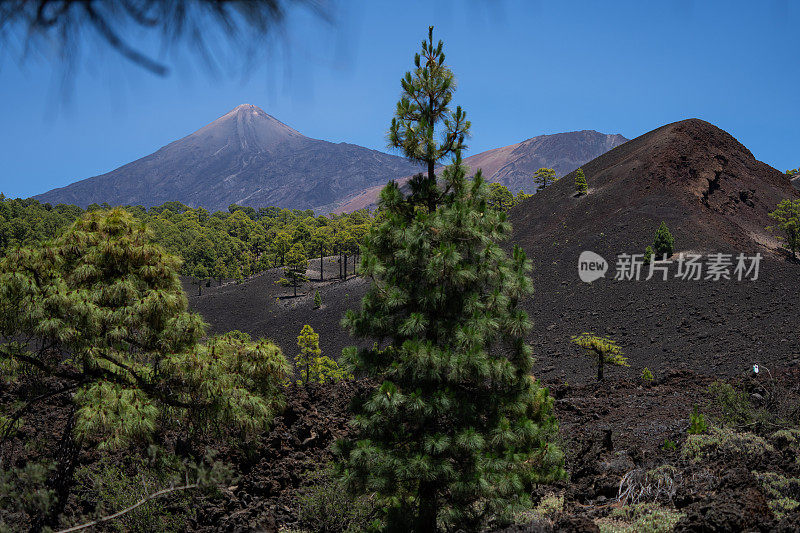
[
  {"x": 514, "y": 165},
  {"x": 246, "y": 157}
]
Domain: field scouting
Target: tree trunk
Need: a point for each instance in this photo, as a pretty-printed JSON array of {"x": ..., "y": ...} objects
[
  {"x": 345, "y": 265},
  {"x": 61, "y": 480},
  {"x": 428, "y": 509},
  {"x": 432, "y": 179}
]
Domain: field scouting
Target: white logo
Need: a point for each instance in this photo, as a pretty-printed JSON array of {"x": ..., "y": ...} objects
[{"x": 591, "y": 266}]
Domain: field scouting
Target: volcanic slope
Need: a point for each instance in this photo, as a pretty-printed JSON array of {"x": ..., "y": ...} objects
[
  {"x": 245, "y": 157},
  {"x": 715, "y": 197},
  {"x": 711, "y": 192}
]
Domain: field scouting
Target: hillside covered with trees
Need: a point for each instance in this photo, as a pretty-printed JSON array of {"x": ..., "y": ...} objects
[{"x": 231, "y": 244}]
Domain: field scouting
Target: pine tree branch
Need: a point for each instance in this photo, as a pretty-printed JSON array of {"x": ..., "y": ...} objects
[
  {"x": 146, "y": 385},
  {"x": 153, "y": 496},
  {"x": 41, "y": 366},
  {"x": 6, "y": 431}
]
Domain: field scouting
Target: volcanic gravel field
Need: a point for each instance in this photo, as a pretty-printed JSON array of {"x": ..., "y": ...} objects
[{"x": 709, "y": 327}]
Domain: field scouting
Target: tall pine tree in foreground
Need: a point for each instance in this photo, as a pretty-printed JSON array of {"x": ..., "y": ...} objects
[{"x": 456, "y": 431}]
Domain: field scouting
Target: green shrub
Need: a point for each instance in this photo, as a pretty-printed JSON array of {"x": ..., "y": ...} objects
[
  {"x": 697, "y": 422},
  {"x": 108, "y": 486},
  {"x": 669, "y": 445},
  {"x": 647, "y": 376},
  {"x": 664, "y": 243},
  {"x": 317, "y": 300},
  {"x": 24, "y": 493},
  {"x": 720, "y": 442},
  {"x": 733, "y": 404},
  {"x": 648, "y": 255},
  {"x": 326, "y": 506},
  {"x": 164, "y": 480},
  {"x": 547, "y": 509},
  {"x": 783, "y": 506},
  {"x": 786, "y": 439},
  {"x": 782, "y": 492},
  {"x": 648, "y": 517}
]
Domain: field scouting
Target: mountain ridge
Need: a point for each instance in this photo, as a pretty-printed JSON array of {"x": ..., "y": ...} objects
[
  {"x": 249, "y": 157},
  {"x": 244, "y": 156},
  {"x": 514, "y": 165}
]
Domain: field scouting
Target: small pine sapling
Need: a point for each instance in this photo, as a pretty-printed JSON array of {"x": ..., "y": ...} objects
[
  {"x": 663, "y": 243},
  {"x": 647, "y": 376},
  {"x": 581, "y": 187},
  {"x": 606, "y": 350},
  {"x": 317, "y": 300},
  {"x": 697, "y": 422}
]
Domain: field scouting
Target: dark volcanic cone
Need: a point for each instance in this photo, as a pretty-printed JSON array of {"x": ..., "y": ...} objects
[
  {"x": 715, "y": 197},
  {"x": 703, "y": 183}
]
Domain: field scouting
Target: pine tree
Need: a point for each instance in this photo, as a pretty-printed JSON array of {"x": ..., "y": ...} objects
[
  {"x": 606, "y": 350},
  {"x": 322, "y": 242},
  {"x": 456, "y": 430},
  {"x": 315, "y": 367},
  {"x": 220, "y": 270},
  {"x": 282, "y": 243},
  {"x": 308, "y": 341},
  {"x": 423, "y": 105},
  {"x": 663, "y": 243},
  {"x": 787, "y": 218},
  {"x": 581, "y": 186},
  {"x": 544, "y": 177},
  {"x": 500, "y": 197},
  {"x": 103, "y": 311},
  {"x": 296, "y": 265}
]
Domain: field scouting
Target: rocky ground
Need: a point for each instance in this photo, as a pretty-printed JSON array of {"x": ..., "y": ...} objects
[{"x": 610, "y": 430}]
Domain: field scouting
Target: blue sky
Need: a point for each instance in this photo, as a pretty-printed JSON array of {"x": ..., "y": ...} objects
[{"x": 524, "y": 68}]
